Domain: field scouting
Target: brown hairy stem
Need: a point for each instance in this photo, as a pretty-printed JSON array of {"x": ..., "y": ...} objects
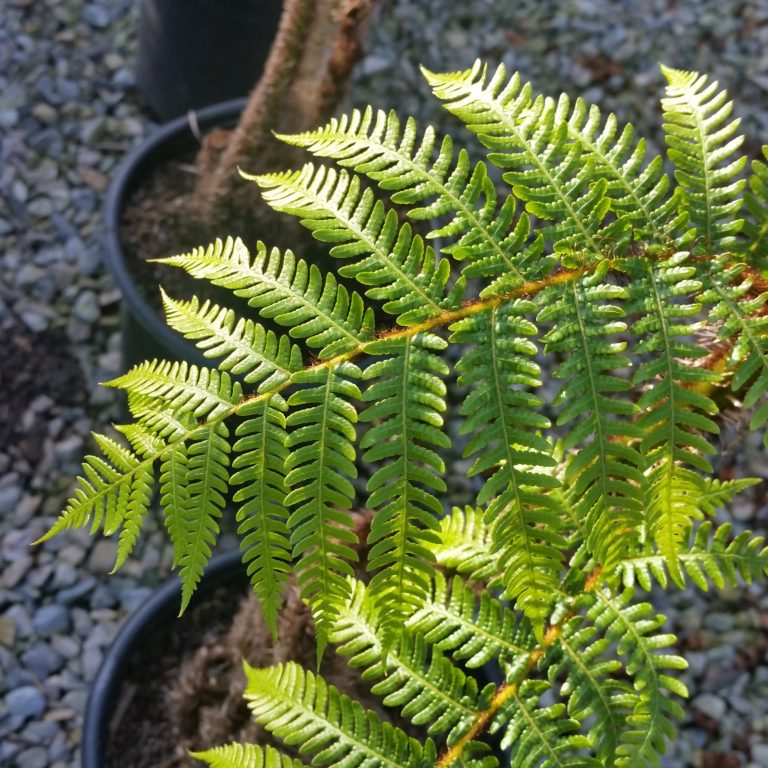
[{"x": 305, "y": 77}]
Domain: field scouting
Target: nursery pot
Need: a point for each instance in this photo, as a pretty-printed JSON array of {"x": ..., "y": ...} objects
[
  {"x": 145, "y": 334},
  {"x": 192, "y": 53},
  {"x": 150, "y": 624}
]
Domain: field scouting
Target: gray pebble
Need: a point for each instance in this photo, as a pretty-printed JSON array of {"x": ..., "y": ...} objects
[
  {"x": 40, "y": 732},
  {"x": 760, "y": 754},
  {"x": 710, "y": 705},
  {"x": 86, "y": 307},
  {"x": 51, "y": 620},
  {"x": 77, "y": 591},
  {"x": 35, "y": 757},
  {"x": 69, "y": 450},
  {"x": 41, "y": 660},
  {"x": 96, "y": 16},
  {"x": 102, "y": 557},
  {"x": 720, "y": 622},
  {"x": 66, "y": 646},
  {"x": 10, "y": 496},
  {"x": 131, "y": 599},
  {"x": 25, "y": 702},
  {"x": 20, "y": 617}
]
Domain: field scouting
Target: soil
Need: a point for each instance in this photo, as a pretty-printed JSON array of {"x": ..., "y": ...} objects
[
  {"x": 159, "y": 222},
  {"x": 34, "y": 364}
]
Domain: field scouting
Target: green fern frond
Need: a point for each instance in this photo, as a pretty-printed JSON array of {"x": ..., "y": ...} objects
[
  {"x": 674, "y": 413},
  {"x": 261, "y": 455},
  {"x": 591, "y": 684},
  {"x": 756, "y": 223},
  {"x": 321, "y": 438},
  {"x": 248, "y": 350},
  {"x": 305, "y": 712},
  {"x": 207, "y": 482},
  {"x": 144, "y": 441},
  {"x": 285, "y": 289},
  {"x": 203, "y": 392},
  {"x": 246, "y": 756},
  {"x": 474, "y": 629},
  {"x": 711, "y": 557},
  {"x": 605, "y": 473},
  {"x": 639, "y": 192},
  {"x": 374, "y": 144},
  {"x": 504, "y": 422},
  {"x": 716, "y": 494},
  {"x": 464, "y": 544},
  {"x": 174, "y": 497},
  {"x": 136, "y": 509},
  {"x": 418, "y": 680},
  {"x": 105, "y": 492},
  {"x": 702, "y": 146},
  {"x": 403, "y": 272},
  {"x": 634, "y": 628},
  {"x": 406, "y": 396},
  {"x": 554, "y": 177},
  {"x": 543, "y": 736}
]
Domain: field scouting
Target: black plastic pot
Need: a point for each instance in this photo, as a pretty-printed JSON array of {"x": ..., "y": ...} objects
[
  {"x": 145, "y": 334},
  {"x": 193, "y": 53},
  {"x": 160, "y": 610}
]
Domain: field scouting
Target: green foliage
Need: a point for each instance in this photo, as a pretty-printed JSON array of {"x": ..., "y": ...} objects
[{"x": 641, "y": 292}]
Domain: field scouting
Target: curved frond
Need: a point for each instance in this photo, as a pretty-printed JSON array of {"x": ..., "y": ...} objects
[
  {"x": 305, "y": 712},
  {"x": 246, "y": 756},
  {"x": 635, "y": 629},
  {"x": 402, "y": 271},
  {"x": 248, "y": 350},
  {"x": 321, "y": 437},
  {"x": 406, "y": 397},
  {"x": 711, "y": 557},
  {"x": 702, "y": 146},
  {"x": 285, "y": 289},
  {"x": 554, "y": 177},
  {"x": 465, "y": 544},
  {"x": 434, "y": 182}
]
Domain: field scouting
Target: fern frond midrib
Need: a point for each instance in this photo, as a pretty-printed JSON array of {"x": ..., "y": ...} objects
[
  {"x": 534, "y": 158},
  {"x": 656, "y": 715},
  {"x": 616, "y": 173},
  {"x": 351, "y": 226},
  {"x": 397, "y": 665},
  {"x": 469, "y": 213},
  {"x": 508, "y": 442},
  {"x": 233, "y": 409},
  {"x": 596, "y": 408},
  {"x": 607, "y": 709}
]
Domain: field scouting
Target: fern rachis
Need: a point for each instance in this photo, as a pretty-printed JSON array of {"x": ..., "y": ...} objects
[{"x": 592, "y": 255}]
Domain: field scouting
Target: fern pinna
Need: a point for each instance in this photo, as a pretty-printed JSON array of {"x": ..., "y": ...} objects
[{"x": 595, "y": 263}]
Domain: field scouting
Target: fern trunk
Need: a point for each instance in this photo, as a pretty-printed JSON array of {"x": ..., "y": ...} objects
[{"x": 317, "y": 45}]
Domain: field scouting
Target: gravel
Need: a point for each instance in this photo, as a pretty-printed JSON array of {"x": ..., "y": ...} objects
[{"x": 68, "y": 113}]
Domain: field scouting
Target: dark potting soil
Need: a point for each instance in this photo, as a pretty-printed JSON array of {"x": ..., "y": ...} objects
[
  {"x": 143, "y": 733},
  {"x": 34, "y": 364}
]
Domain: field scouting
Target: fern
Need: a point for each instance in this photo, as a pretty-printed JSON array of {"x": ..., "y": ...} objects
[{"x": 640, "y": 291}]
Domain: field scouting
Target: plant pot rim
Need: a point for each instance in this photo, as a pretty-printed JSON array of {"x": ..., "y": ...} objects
[
  {"x": 126, "y": 178},
  {"x": 105, "y": 686}
]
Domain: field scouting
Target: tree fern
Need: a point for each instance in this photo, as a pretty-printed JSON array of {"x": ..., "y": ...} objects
[{"x": 639, "y": 291}]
